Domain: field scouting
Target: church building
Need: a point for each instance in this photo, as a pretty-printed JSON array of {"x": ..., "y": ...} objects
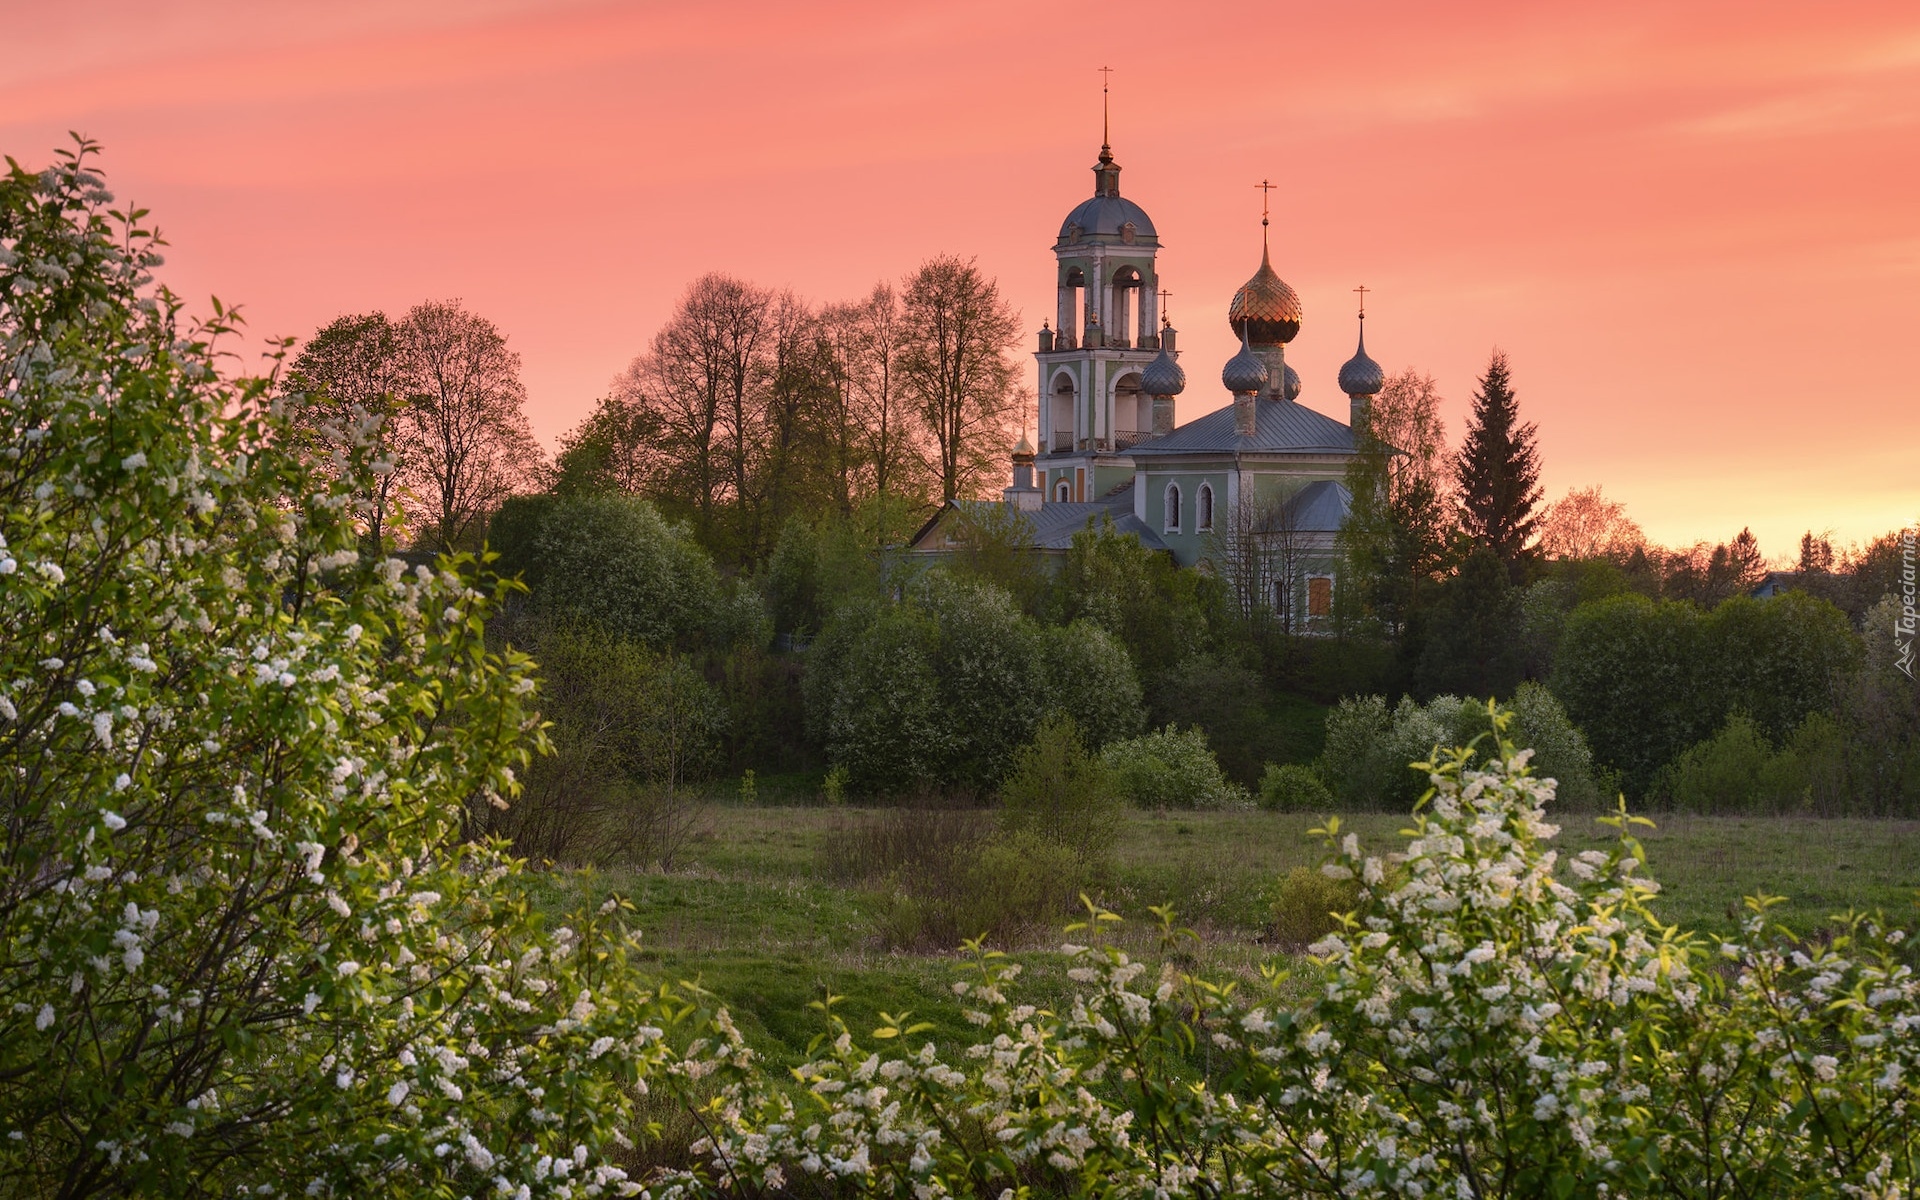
[{"x": 1253, "y": 491}]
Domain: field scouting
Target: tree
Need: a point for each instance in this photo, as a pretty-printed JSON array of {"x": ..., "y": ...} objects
[
  {"x": 615, "y": 449},
  {"x": 344, "y": 389},
  {"x": 244, "y": 946},
  {"x": 1396, "y": 539},
  {"x": 471, "y": 446},
  {"x": 892, "y": 444},
  {"x": 955, "y": 362},
  {"x": 1473, "y": 646},
  {"x": 1499, "y": 470},
  {"x": 1585, "y": 524},
  {"x": 613, "y": 561}
]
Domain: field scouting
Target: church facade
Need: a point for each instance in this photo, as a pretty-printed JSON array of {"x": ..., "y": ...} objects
[{"x": 1255, "y": 490}]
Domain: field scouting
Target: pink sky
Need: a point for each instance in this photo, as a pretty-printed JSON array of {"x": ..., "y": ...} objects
[{"x": 1694, "y": 227}]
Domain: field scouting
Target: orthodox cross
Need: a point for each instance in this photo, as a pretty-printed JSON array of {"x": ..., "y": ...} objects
[
  {"x": 1363, "y": 300},
  {"x": 1165, "y": 295},
  {"x": 1265, "y": 188},
  {"x": 1106, "y": 77}
]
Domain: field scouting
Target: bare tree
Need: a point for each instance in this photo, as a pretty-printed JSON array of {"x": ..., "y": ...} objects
[
  {"x": 1585, "y": 524},
  {"x": 956, "y": 363},
  {"x": 1260, "y": 550},
  {"x": 466, "y": 409},
  {"x": 703, "y": 373},
  {"x": 343, "y": 390}
]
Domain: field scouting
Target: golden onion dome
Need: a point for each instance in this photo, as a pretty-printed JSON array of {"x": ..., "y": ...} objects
[{"x": 1266, "y": 310}]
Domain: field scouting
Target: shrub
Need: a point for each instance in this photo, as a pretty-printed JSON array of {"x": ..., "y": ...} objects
[
  {"x": 1058, "y": 791},
  {"x": 1304, "y": 904},
  {"x": 1170, "y": 768},
  {"x": 1290, "y": 787},
  {"x": 1647, "y": 680},
  {"x": 1087, "y": 677},
  {"x": 942, "y": 875},
  {"x": 612, "y": 560},
  {"x": 246, "y": 947},
  {"x": 1368, "y": 745},
  {"x": 630, "y": 730},
  {"x": 1734, "y": 771}
]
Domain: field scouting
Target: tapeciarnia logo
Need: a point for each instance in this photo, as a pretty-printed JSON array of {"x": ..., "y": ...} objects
[{"x": 1904, "y": 626}]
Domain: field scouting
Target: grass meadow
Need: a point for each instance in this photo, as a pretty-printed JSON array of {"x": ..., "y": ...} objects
[{"x": 756, "y": 913}]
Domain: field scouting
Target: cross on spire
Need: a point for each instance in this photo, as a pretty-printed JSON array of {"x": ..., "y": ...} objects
[
  {"x": 1363, "y": 290},
  {"x": 1265, "y": 188},
  {"x": 1106, "y": 77},
  {"x": 1165, "y": 295}
]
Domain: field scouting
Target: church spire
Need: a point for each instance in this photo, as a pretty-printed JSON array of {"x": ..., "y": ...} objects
[{"x": 1106, "y": 173}]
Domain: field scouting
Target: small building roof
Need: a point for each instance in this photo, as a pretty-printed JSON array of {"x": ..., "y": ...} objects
[
  {"x": 1279, "y": 427},
  {"x": 1320, "y": 507},
  {"x": 1055, "y": 522}
]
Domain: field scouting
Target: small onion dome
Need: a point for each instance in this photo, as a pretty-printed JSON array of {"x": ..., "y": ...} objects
[
  {"x": 1361, "y": 376},
  {"x": 1163, "y": 377},
  {"x": 1024, "y": 451},
  {"x": 1244, "y": 374},
  {"x": 1266, "y": 310},
  {"x": 1292, "y": 383}
]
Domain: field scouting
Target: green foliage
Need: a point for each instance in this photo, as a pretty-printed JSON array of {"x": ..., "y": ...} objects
[
  {"x": 1087, "y": 676},
  {"x": 939, "y": 690},
  {"x": 1473, "y": 645},
  {"x": 1306, "y": 905},
  {"x": 1368, "y": 746},
  {"x": 611, "y": 560},
  {"x": 1499, "y": 470},
  {"x": 630, "y": 729},
  {"x": 1734, "y": 771},
  {"x": 1140, "y": 596},
  {"x": 1227, "y": 702},
  {"x": 1058, "y": 791},
  {"x": 1646, "y": 680},
  {"x": 1171, "y": 768},
  {"x": 993, "y": 543},
  {"x": 245, "y": 947},
  {"x": 1290, "y": 787}
]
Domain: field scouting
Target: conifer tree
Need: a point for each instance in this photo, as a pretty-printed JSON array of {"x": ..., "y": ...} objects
[{"x": 1499, "y": 470}]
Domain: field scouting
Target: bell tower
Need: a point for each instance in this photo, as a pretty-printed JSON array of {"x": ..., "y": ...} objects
[{"x": 1105, "y": 331}]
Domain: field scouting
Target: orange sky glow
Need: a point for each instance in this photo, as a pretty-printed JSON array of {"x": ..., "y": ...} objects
[{"x": 1694, "y": 227}]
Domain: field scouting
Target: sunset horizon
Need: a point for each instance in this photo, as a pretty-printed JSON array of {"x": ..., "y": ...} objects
[{"x": 1687, "y": 228}]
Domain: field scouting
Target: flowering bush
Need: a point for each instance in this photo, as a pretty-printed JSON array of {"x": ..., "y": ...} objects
[
  {"x": 242, "y": 946},
  {"x": 1488, "y": 1021},
  {"x": 1172, "y": 768}
]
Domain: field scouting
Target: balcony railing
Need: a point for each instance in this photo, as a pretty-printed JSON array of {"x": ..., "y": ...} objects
[
  {"x": 1127, "y": 439},
  {"x": 1062, "y": 441}
]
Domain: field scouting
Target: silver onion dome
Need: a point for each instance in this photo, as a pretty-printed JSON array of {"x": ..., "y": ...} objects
[
  {"x": 1292, "y": 384},
  {"x": 1361, "y": 376},
  {"x": 1244, "y": 374},
  {"x": 1163, "y": 377}
]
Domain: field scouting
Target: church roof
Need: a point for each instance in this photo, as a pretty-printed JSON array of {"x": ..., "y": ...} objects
[
  {"x": 1280, "y": 427},
  {"x": 1320, "y": 507},
  {"x": 1107, "y": 217},
  {"x": 1054, "y": 523}
]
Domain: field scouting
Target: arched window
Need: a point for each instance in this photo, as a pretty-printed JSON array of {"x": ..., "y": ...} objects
[
  {"x": 1205, "y": 508},
  {"x": 1063, "y": 491},
  {"x": 1173, "y": 508}
]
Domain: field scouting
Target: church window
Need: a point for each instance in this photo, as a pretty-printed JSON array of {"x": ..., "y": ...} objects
[
  {"x": 1063, "y": 491},
  {"x": 1173, "y": 508},
  {"x": 1320, "y": 596},
  {"x": 1203, "y": 517}
]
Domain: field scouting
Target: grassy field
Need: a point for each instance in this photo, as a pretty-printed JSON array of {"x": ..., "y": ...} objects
[{"x": 750, "y": 913}]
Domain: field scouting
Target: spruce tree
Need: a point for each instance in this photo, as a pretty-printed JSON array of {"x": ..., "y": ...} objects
[{"x": 1499, "y": 470}]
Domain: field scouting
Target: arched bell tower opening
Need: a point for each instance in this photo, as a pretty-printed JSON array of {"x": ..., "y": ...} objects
[
  {"x": 1073, "y": 282},
  {"x": 1059, "y": 437},
  {"x": 1132, "y": 412},
  {"x": 1125, "y": 288}
]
